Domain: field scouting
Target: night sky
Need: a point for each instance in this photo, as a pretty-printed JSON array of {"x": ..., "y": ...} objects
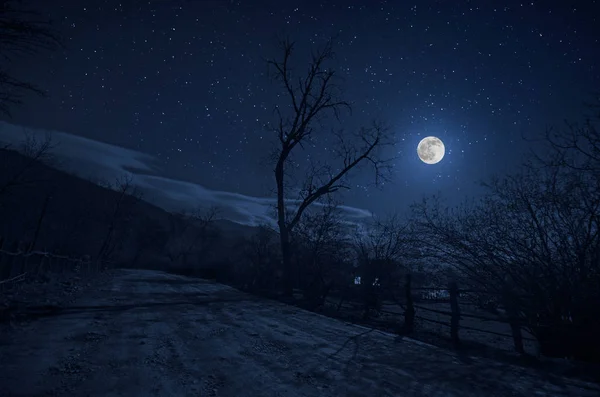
[{"x": 186, "y": 82}]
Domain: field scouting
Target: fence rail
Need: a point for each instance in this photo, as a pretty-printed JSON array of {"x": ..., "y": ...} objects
[
  {"x": 447, "y": 323},
  {"x": 475, "y": 316},
  {"x": 19, "y": 263},
  {"x": 16, "y": 279},
  {"x": 408, "y": 309}
]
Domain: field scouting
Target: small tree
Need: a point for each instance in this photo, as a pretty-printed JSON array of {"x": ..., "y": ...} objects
[
  {"x": 574, "y": 194},
  {"x": 381, "y": 251},
  {"x": 312, "y": 97},
  {"x": 576, "y": 146},
  {"x": 118, "y": 216},
  {"x": 533, "y": 244},
  {"x": 151, "y": 238},
  {"x": 22, "y": 32},
  {"x": 191, "y": 232},
  {"x": 15, "y": 173},
  {"x": 322, "y": 248},
  {"x": 259, "y": 255}
]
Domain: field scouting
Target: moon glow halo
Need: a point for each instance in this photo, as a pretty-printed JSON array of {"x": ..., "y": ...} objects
[{"x": 431, "y": 150}]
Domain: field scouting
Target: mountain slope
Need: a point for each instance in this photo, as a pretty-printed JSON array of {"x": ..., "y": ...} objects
[{"x": 66, "y": 213}]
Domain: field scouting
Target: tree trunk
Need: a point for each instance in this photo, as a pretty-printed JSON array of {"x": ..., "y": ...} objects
[
  {"x": 286, "y": 262},
  {"x": 455, "y": 319},
  {"x": 39, "y": 223},
  {"x": 515, "y": 323},
  {"x": 515, "y": 328},
  {"x": 138, "y": 254},
  {"x": 409, "y": 313},
  {"x": 511, "y": 305},
  {"x": 342, "y": 300},
  {"x": 326, "y": 291},
  {"x": 284, "y": 232}
]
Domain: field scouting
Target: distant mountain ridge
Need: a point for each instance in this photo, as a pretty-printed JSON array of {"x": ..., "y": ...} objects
[{"x": 77, "y": 210}]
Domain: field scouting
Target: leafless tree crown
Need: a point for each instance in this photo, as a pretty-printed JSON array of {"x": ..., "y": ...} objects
[
  {"x": 22, "y": 32},
  {"x": 312, "y": 97}
]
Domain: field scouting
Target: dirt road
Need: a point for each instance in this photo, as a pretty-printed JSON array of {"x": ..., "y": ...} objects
[{"x": 155, "y": 334}]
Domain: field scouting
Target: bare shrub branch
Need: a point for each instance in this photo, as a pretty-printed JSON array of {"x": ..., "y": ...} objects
[
  {"x": 22, "y": 32},
  {"x": 24, "y": 173}
]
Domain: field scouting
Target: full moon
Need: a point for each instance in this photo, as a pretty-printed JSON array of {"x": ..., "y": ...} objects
[{"x": 431, "y": 150}]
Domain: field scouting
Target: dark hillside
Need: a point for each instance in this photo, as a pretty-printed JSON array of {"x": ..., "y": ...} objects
[{"x": 66, "y": 213}]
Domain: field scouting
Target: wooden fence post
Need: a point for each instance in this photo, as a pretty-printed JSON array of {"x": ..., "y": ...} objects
[
  {"x": 14, "y": 261},
  {"x": 4, "y": 268},
  {"x": 455, "y": 319},
  {"x": 25, "y": 249},
  {"x": 409, "y": 313},
  {"x": 58, "y": 262},
  {"x": 42, "y": 264},
  {"x": 515, "y": 327},
  {"x": 85, "y": 261},
  {"x": 514, "y": 321},
  {"x": 40, "y": 221},
  {"x": 51, "y": 263}
]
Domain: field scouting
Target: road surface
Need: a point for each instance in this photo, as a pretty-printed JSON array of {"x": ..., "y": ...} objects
[{"x": 149, "y": 334}]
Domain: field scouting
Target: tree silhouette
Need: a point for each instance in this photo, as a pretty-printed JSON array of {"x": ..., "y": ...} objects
[
  {"x": 22, "y": 32},
  {"x": 382, "y": 253},
  {"x": 312, "y": 97},
  {"x": 323, "y": 247},
  {"x": 532, "y": 243}
]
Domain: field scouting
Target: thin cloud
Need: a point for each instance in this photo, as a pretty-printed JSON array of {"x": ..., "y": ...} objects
[{"x": 102, "y": 161}]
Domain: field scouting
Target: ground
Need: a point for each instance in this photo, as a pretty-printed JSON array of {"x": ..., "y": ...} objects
[{"x": 147, "y": 333}]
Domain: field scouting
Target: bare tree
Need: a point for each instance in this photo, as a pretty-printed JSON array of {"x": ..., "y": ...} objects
[
  {"x": 558, "y": 216},
  {"x": 119, "y": 215},
  {"x": 381, "y": 251},
  {"x": 533, "y": 243},
  {"x": 322, "y": 248},
  {"x": 472, "y": 241},
  {"x": 312, "y": 97},
  {"x": 191, "y": 232},
  {"x": 259, "y": 255},
  {"x": 22, "y": 32},
  {"x": 384, "y": 240},
  {"x": 177, "y": 228},
  {"x": 576, "y": 145},
  {"x": 450, "y": 236},
  {"x": 15, "y": 173},
  {"x": 151, "y": 237}
]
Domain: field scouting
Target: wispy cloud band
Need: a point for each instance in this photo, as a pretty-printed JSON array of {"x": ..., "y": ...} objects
[{"x": 102, "y": 161}]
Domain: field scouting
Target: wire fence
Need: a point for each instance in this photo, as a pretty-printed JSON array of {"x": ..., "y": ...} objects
[
  {"x": 20, "y": 263},
  {"x": 446, "y": 307}
]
